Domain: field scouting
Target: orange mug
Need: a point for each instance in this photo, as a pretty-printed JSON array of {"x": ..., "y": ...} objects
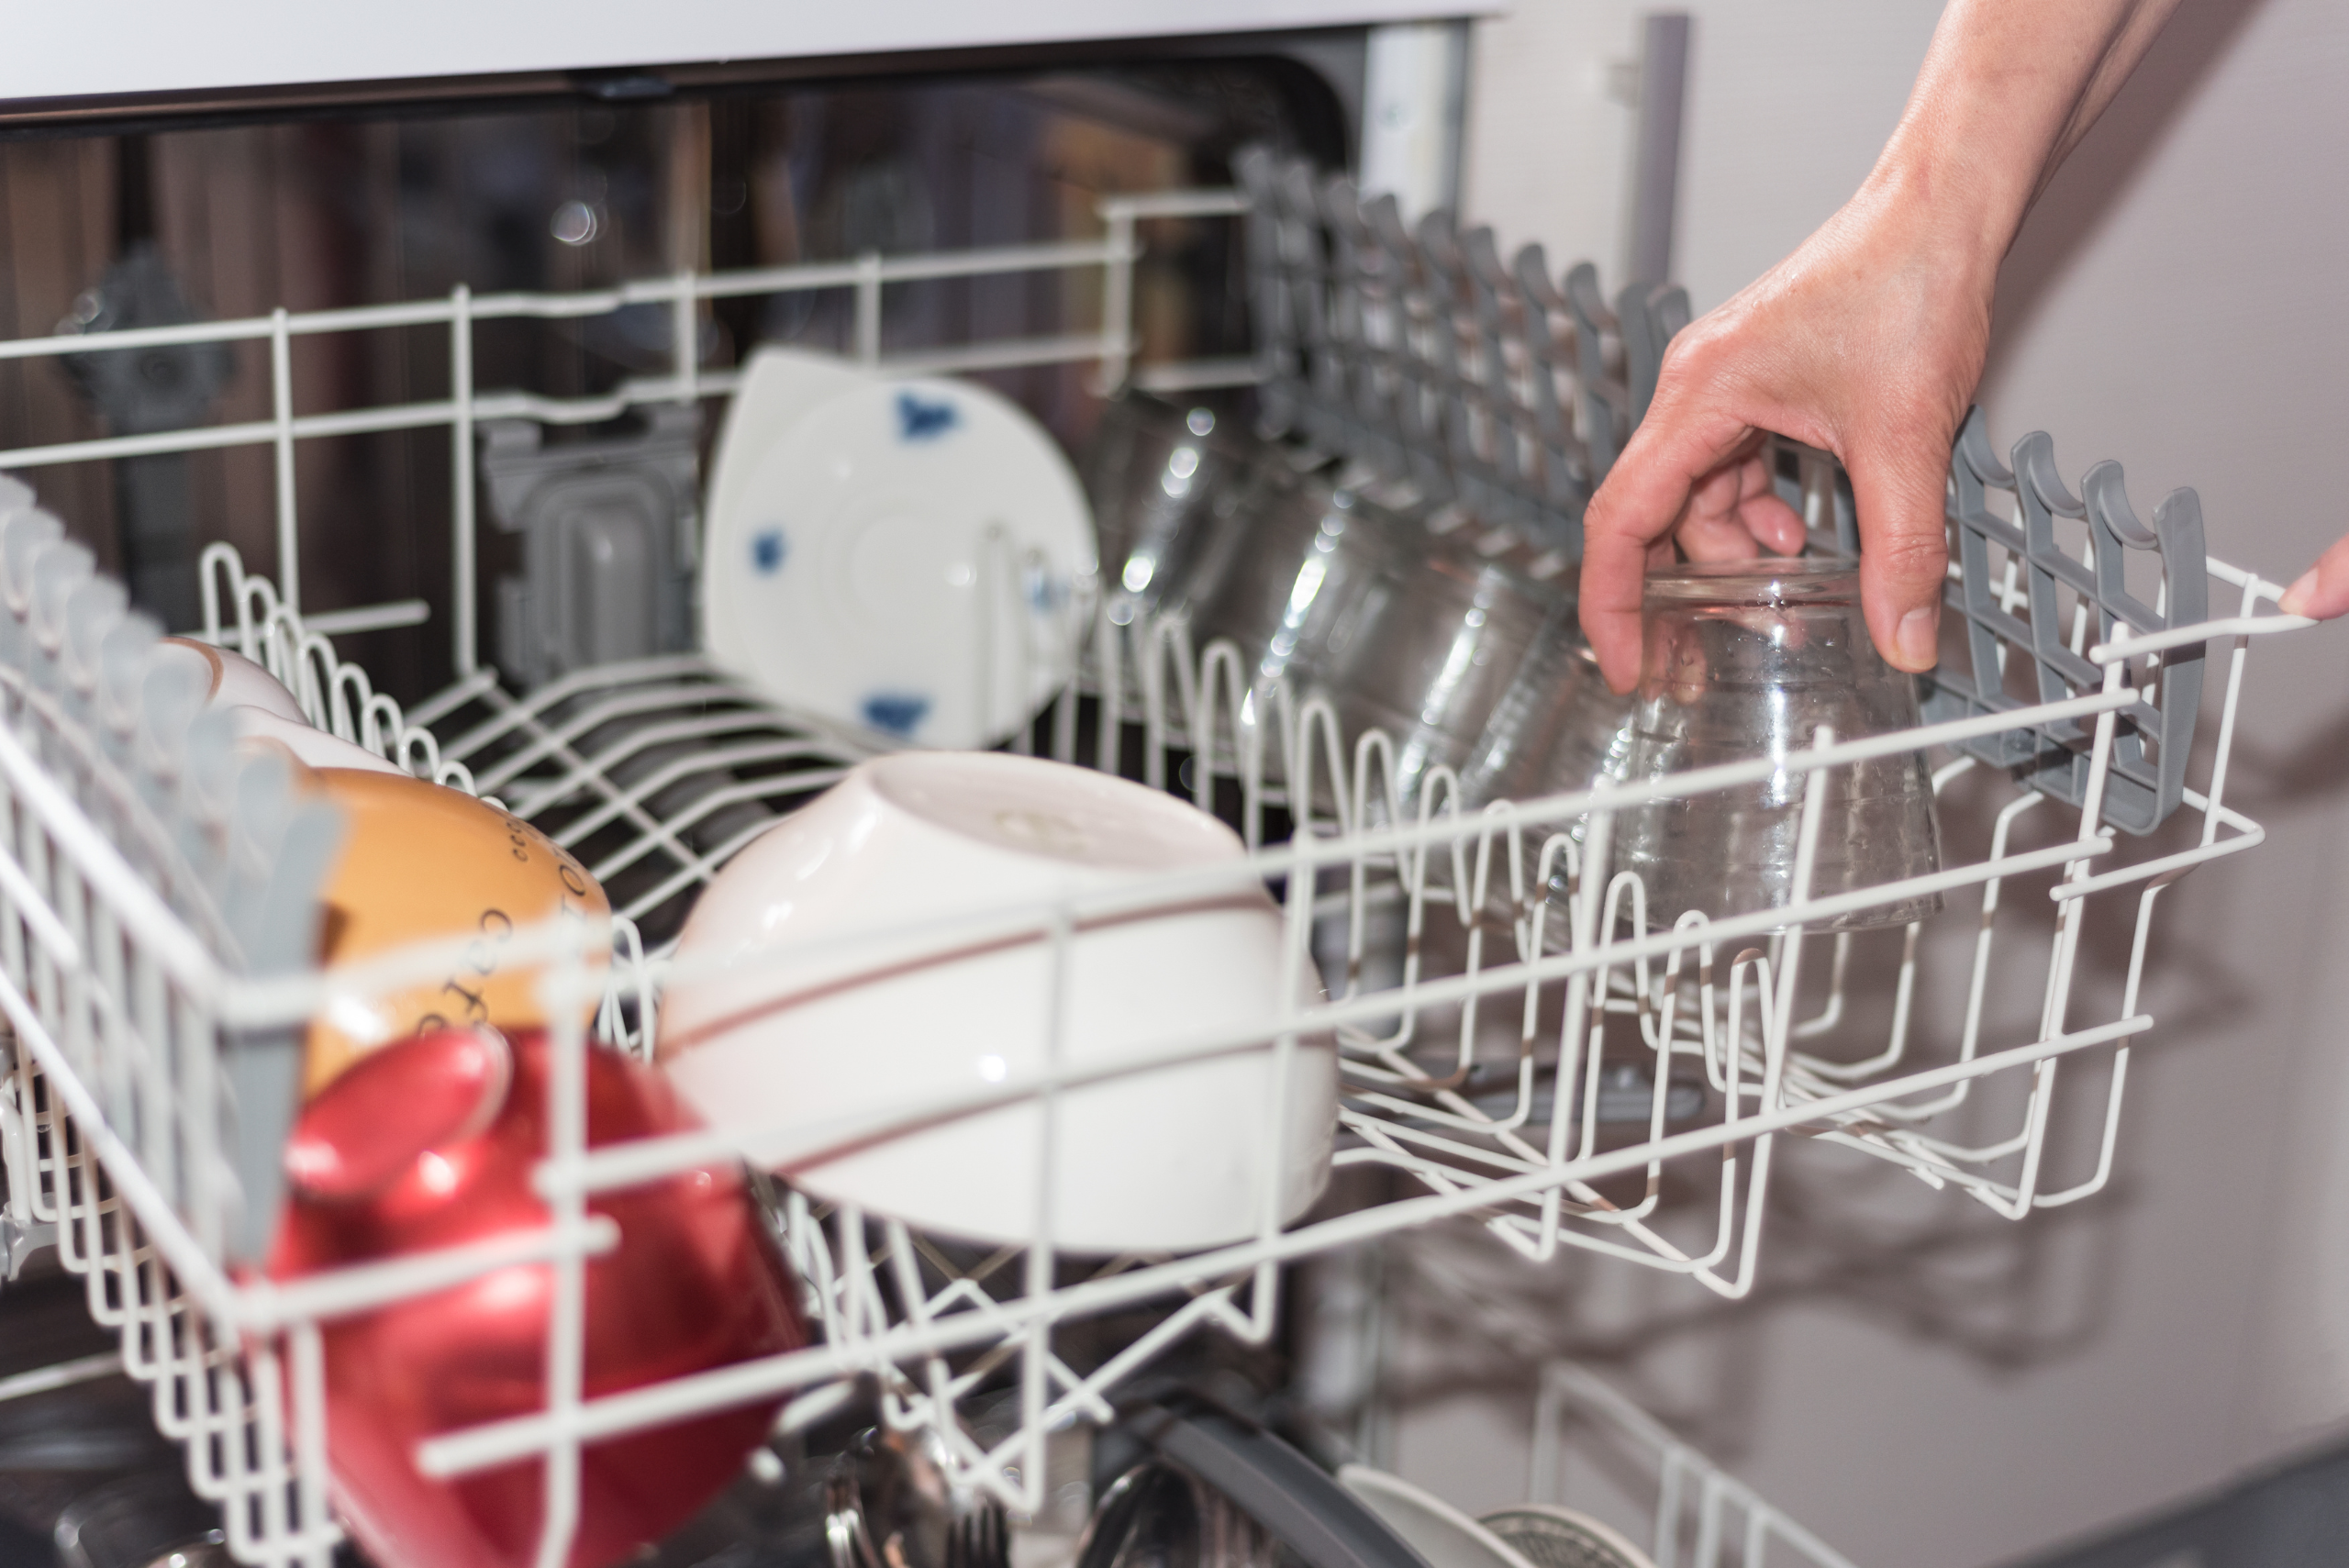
[{"x": 421, "y": 860}]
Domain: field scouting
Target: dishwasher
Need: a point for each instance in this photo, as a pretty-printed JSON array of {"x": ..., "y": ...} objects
[{"x": 458, "y": 501}]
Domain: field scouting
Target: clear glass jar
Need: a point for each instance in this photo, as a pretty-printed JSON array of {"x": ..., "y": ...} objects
[{"x": 1751, "y": 659}]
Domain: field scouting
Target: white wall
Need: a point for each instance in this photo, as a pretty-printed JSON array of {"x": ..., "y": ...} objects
[{"x": 2180, "y": 301}]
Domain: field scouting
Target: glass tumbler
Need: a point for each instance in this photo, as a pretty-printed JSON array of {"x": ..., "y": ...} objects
[
  {"x": 1294, "y": 577},
  {"x": 1591, "y": 741},
  {"x": 1289, "y": 580},
  {"x": 1589, "y": 744},
  {"x": 1750, "y": 659},
  {"x": 1461, "y": 660},
  {"x": 1163, "y": 479}
]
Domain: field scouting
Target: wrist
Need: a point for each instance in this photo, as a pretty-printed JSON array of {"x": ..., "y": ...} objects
[{"x": 1939, "y": 210}]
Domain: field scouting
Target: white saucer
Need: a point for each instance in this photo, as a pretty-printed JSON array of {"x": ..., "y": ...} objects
[
  {"x": 1434, "y": 1529},
  {"x": 778, "y": 386},
  {"x": 905, "y": 562},
  {"x": 1551, "y": 1537}
]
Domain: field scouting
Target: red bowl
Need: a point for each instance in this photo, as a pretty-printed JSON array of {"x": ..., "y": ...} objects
[{"x": 430, "y": 1144}]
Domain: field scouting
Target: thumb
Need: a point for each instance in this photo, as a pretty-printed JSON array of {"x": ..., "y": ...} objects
[{"x": 1899, "y": 490}]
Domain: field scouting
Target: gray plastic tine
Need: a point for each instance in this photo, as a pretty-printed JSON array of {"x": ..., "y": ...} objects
[
  {"x": 295, "y": 837},
  {"x": 1438, "y": 236},
  {"x": 1406, "y": 268},
  {"x": 1346, "y": 377},
  {"x": 2177, "y": 535},
  {"x": 261, "y": 789},
  {"x": 1648, "y": 315},
  {"x": 1489, "y": 279},
  {"x": 1532, "y": 270},
  {"x": 208, "y": 773},
  {"x": 1543, "y": 306},
  {"x": 171, "y": 693},
  {"x": 1566, "y": 469},
  {"x": 1439, "y": 252},
  {"x": 2140, "y": 791},
  {"x": 281, "y": 847},
  {"x": 1978, "y": 456},
  {"x": 123, "y": 654},
  {"x": 91, "y": 611},
  {"x": 28, "y": 531},
  {"x": 22, "y": 535},
  {"x": 1668, "y": 304},
  {"x": 1268, "y": 290},
  {"x": 1297, "y": 190},
  {"x": 206, "y": 800},
  {"x": 1602, "y": 413},
  {"x": 2034, "y": 461},
  {"x": 58, "y": 569}
]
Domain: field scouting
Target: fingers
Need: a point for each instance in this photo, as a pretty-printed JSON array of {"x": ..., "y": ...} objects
[
  {"x": 1643, "y": 500},
  {"x": 1904, "y": 549},
  {"x": 1614, "y": 564},
  {"x": 1777, "y": 526},
  {"x": 1735, "y": 512},
  {"x": 1731, "y": 513},
  {"x": 1712, "y": 526},
  {"x": 2322, "y": 590}
]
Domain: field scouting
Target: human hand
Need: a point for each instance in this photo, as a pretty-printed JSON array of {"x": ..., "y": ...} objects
[
  {"x": 2323, "y": 591},
  {"x": 1867, "y": 342}
]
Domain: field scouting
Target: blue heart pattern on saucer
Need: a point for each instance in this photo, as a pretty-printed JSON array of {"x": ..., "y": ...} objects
[
  {"x": 920, "y": 421},
  {"x": 768, "y": 547},
  {"x": 896, "y": 713}
]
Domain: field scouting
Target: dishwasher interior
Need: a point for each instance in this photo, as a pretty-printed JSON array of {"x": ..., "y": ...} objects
[{"x": 341, "y": 396}]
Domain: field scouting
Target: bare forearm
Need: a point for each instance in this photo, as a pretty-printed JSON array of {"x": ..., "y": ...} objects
[{"x": 2007, "y": 89}]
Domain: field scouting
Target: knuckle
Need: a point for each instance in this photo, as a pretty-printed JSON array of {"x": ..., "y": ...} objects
[{"x": 1911, "y": 556}]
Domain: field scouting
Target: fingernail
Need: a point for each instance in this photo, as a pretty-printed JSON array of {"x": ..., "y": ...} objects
[
  {"x": 1916, "y": 640},
  {"x": 2297, "y": 594}
]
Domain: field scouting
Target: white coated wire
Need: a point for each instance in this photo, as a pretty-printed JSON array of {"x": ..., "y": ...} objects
[{"x": 119, "y": 1010}]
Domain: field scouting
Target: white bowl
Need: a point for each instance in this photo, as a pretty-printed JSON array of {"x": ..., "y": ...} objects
[
  {"x": 760, "y": 1028},
  {"x": 232, "y": 680},
  {"x": 311, "y": 747}
]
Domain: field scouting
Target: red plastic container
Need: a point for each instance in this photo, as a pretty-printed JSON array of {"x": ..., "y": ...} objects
[{"x": 429, "y": 1143}]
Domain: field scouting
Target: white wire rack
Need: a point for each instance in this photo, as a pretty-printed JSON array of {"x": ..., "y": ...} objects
[
  {"x": 1487, "y": 993},
  {"x": 1704, "y": 1517}
]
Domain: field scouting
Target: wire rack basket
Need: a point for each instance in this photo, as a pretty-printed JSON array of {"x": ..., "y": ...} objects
[
  {"x": 1702, "y": 1517},
  {"x": 1514, "y": 1034}
]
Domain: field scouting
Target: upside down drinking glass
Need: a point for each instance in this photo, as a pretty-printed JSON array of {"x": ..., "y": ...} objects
[{"x": 1749, "y": 660}]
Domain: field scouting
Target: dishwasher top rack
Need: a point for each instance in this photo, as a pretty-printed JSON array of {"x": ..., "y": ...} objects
[
  {"x": 1513, "y": 1030},
  {"x": 1480, "y": 1073}
]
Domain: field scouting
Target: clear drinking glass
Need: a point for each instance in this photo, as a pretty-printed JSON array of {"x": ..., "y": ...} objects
[
  {"x": 1591, "y": 740},
  {"x": 1294, "y": 577},
  {"x": 1461, "y": 659},
  {"x": 1750, "y": 659},
  {"x": 1462, "y": 662},
  {"x": 1162, "y": 479},
  {"x": 1589, "y": 744}
]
